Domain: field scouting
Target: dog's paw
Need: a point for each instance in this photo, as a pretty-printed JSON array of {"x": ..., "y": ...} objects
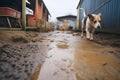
[
  {"x": 81, "y": 35},
  {"x": 88, "y": 36},
  {"x": 91, "y": 39}
]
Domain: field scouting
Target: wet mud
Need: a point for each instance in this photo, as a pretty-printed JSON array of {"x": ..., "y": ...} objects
[
  {"x": 81, "y": 60},
  {"x": 58, "y": 55},
  {"x": 107, "y": 39},
  {"x": 20, "y": 57},
  {"x": 94, "y": 62},
  {"x": 20, "y": 62},
  {"x": 58, "y": 64}
]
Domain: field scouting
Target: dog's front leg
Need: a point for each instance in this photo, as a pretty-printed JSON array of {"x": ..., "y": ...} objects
[
  {"x": 87, "y": 34},
  {"x": 87, "y": 31},
  {"x": 82, "y": 29},
  {"x": 91, "y": 35},
  {"x": 82, "y": 33}
]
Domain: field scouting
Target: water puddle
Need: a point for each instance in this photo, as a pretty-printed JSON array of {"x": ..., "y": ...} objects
[
  {"x": 73, "y": 58},
  {"x": 62, "y": 45},
  {"x": 58, "y": 63}
]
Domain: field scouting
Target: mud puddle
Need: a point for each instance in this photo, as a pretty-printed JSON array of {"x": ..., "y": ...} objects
[
  {"x": 73, "y": 58},
  {"x": 58, "y": 63}
]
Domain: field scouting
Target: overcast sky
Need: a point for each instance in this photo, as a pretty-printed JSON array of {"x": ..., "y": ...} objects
[{"x": 61, "y": 7}]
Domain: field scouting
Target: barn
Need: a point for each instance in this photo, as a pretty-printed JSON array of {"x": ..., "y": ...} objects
[
  {"x": 110, "y": 10},
  {"x": 68, "y": 20},
  {"x": 12, "y": 13},
  {"x": 40, "y": 13}
]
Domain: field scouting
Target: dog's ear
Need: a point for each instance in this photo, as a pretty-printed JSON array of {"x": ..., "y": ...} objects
[
  {"x": 91, "y": 17},
  {"x": 100, "y": 14}
]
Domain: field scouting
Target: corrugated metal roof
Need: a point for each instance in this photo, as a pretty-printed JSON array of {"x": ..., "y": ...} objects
[{"x": 67, "y": 16}]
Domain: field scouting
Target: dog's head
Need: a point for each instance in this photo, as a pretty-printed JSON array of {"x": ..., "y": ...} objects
[{"x": 95, "y": 20}]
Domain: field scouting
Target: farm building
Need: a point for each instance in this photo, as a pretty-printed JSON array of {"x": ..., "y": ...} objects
[
  {"x": 110, "y": 10},
  {"x": 68, "y": 20},
  {"x": 11, "y": 13},
  {"x": 40, "y": 14}
]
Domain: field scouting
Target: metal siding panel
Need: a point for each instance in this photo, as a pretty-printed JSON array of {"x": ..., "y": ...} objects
[
  {"x": 110, "y": 16},
  {"x": 93, "y": 5},
  {"x": 118, "y": 15},
  {"x": 88, "y": 8}
]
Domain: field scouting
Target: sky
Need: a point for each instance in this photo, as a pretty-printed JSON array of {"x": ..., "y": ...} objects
[{"x": 61, "y": 7}]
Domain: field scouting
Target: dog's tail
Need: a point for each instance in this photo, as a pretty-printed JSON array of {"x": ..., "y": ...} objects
[{"x": 84, "y": 14}]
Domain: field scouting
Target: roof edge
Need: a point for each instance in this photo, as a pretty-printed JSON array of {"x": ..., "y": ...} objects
[
  {"x": 79, "y": 3},
  {"x": 46, "y": 7},
  {"x": 66, "y": 16}
]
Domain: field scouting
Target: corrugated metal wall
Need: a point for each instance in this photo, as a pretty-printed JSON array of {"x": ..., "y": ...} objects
[{"x": 110, "y": 10}]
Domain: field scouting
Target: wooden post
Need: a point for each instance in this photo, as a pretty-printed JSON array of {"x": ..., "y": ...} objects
[
  {"x": 78, "y": 19},
  {"x": 45, "y": 19},
  {"x": 43, "y": 23},
  {"x": 24, "y": 14},
  {"x": 46, "y": 15},
  {"x": 42, "y": 10},
  {"x": 36, "y": 13},
  {"x": 19, "y": 23},
  {"x": 9, "y": 22}
]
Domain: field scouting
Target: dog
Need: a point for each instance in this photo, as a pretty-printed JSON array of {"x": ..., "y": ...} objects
[{"x": 90, "y": 23}]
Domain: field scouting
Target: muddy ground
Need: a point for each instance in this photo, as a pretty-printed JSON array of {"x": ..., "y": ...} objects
[
  {"x": 108, "y": 39},
  {"x": 23, "y": 53}
]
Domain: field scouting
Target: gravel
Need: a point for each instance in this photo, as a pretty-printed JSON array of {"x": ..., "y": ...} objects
[{"x": 18, "y": 62}]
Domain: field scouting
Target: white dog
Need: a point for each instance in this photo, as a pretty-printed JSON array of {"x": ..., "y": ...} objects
[{"x": 90, "y": 23}]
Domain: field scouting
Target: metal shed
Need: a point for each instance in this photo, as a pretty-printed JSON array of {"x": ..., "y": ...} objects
[
  {"x": 110, "y": 10},
  {"x": 69, "y": 19}
]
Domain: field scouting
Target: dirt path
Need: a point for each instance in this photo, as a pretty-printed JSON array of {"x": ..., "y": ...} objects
[
  {"x": 58, "y": 64},
  {"x": 73, "y": 58},
  {"x": 95, "y": 62},
  {"x": 58, "y": 56}
]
